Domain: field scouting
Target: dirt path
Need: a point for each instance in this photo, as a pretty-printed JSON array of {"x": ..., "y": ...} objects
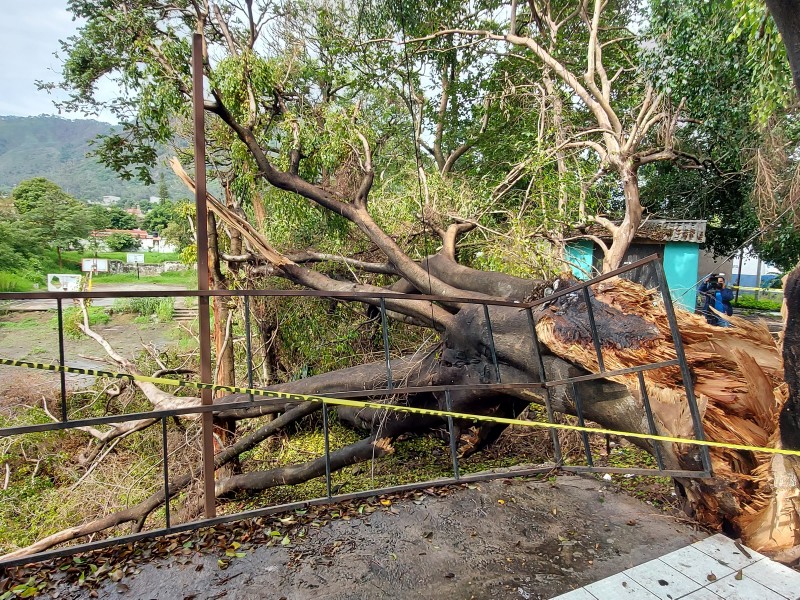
[
  {"x": 516, "y": 538},
  {"x": 33, "y": 336}
]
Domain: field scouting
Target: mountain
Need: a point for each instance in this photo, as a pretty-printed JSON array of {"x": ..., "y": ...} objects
[{"x": 56, "y": 148}]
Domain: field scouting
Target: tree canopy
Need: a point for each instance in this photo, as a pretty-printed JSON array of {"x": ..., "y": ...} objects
[{"x": 48, "y": 213}]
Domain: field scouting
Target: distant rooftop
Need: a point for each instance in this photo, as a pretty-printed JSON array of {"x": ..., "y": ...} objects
[{"x": 659, "y": 230}]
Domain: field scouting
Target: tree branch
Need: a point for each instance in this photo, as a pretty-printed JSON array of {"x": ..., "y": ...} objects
[{"x": 423, "y": 311}]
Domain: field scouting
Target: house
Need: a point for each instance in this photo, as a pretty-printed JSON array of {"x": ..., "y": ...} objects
[
  {"x": 135, "y": 211},
  {"x": 677, "y": 244},
  {"x": 148, "y": 241}
]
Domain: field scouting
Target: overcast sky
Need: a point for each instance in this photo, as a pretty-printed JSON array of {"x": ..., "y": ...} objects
[{"x": 29, "y": 34}]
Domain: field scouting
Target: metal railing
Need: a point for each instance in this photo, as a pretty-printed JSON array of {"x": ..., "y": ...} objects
[{"x": 393, "y": 388}]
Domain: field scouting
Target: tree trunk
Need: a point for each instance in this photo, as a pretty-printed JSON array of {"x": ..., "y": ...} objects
[
  {"x": 623, "y": 234},
  {"x": 224, "y": 429},
  {"x": 787, "y": 17}
]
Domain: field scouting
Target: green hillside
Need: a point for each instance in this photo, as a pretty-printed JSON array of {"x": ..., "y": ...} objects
[{"x": 56, "y": 148}]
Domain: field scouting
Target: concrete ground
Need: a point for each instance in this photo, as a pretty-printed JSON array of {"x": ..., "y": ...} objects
[{"x": 513, "y": 538}]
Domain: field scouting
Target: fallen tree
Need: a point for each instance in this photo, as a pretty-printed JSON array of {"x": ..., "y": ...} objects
[
  {"x": 737, "y": 372},
  {"x": 737, "y": 377}
]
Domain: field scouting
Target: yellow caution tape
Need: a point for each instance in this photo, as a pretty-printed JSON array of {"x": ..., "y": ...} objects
[{"x": 393, "y": 407}]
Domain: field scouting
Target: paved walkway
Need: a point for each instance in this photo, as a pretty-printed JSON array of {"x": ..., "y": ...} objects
[
  {"x": 40, "y": 305},
  {"x": 710, "y": 569}
]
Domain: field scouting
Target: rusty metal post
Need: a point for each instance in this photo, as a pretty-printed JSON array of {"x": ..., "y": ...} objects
[{"x": 202, "y": 271}]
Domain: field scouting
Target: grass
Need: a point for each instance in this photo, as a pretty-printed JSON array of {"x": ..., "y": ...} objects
[
  {"x": 750, "y": 302},
  {"x": 71, "y": 263},
  {"x": 11, "y": 282},
  {"x": 26, "y": 323},
  {"x": 187, "y": 279}
]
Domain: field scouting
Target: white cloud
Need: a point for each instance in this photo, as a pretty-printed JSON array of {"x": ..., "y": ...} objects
[{"x": 29, "y": 39}]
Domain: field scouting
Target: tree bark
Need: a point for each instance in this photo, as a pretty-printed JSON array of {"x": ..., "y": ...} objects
[
  {"x": 787, "y": 17},
  {"x": 225, "y": 374},
  {"x": 790, "y": 415},
  {"x": 623, "y": 234}
]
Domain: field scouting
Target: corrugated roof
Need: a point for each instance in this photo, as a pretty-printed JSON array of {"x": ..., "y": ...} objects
[{"x": 660, "y": 230}]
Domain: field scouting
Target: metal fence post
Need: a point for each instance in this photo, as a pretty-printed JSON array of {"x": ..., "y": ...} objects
[
  {"x": 385, "y": 329},
  {"x": 327, "y": 441},
  {"x": 248, "y": 344},
  {"x": 543, "y": 380},
  {"x": 165, "y": 450},
  {"x": 62, "y": 374},
  {"x": 453, "y": 441},
  {"x": 202, "y": 272},
  {"x": 491, "y": 342},
  {"x": 686, "y": 375}
]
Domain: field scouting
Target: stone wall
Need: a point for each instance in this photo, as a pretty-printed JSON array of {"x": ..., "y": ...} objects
[{"x": 117, "y": 266}]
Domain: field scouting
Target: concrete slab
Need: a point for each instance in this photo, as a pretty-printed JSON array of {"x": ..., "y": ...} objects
[
  {"x": 712, "y": 569},
  {"x": 697, "y": 565},
  {"x": 745, "y": 588},
  {"x": 661, "y": 580},
  {"x": 777, "y": 577},
  {"x": 619, "y": 586},
  {"x": 725, "y": 551}
]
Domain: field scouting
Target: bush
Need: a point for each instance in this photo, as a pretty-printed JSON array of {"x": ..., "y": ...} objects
[
  {"x": 122, "y": 242},
  {"x": 162, "y": 308},
  {"x": 10, "y": 282},
  {"x": 73, "y": 317},
  {"x": 165, "y": 309}
]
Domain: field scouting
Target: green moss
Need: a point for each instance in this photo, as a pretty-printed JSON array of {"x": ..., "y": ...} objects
[{"x": 652, "y": 488}]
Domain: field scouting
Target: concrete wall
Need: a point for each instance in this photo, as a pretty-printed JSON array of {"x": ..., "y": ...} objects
[
  {"x": 708, "y": 264},
  {"x": 681, "y": 261},
  {"x": 579, "y": 256},
  {"x": 117, "y": 266}
]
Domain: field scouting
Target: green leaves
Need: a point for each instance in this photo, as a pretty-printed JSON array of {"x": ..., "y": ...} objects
[{"x": 771, "y": 80}]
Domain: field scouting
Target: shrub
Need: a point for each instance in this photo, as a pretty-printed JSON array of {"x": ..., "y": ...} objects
[
  {"x": 162, "y": 308},
  {"x": 122, "y": 242},
  {"x": 73, "y": 317},
  {"x": 189, "y": 254},
  {"x": 165, "y": 309}
]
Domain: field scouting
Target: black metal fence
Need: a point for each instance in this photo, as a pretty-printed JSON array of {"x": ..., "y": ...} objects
[{"x": 392, "y": 389}]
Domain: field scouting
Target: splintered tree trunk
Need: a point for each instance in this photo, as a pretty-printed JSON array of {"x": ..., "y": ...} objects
[{"x": 738, "y": 382}]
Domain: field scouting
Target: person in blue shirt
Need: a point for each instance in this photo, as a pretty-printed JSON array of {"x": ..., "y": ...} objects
[{"x": 719, "y": 297}]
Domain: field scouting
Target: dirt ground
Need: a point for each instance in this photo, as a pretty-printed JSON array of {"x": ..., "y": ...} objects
[
  {"x": 511, "y": 538},
  {"x": 38, "y": 341}
]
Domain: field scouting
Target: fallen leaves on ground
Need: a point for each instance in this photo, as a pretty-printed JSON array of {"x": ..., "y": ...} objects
[{"x": 228, "y": 542}]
